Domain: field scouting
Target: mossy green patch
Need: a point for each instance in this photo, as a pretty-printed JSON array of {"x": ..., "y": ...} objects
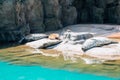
[{"x": 21, "y": 55}]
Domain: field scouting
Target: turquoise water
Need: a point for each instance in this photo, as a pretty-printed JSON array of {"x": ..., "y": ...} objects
[{"x": 14, "y": 72}]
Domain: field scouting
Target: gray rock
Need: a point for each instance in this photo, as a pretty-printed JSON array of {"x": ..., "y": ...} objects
[
  {"x": 51, "y": 8},
  {"x": 7, "y": 36},
  {"x": 96, "y": 42},
  {"x": 66, "y": 2},
  {"x": 69, "y": 16},
  {"x": 13, "y": 24},
  {"x": 98, "y": 11},
  {"x": 35, "y": 15},
  {"x": 52, "y": 24},
  {"x": 97, "y": 15}
]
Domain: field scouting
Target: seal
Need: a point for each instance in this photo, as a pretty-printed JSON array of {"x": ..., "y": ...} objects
[{"x": 96, "y": 42}]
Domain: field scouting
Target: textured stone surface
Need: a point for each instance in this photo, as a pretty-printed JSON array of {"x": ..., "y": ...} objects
[
  {"x": 35, "y": 16},
  {"x": 98, "y": 11}
]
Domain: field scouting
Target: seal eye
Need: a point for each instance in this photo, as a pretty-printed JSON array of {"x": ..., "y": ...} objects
[{"x": 84, "y": 49}]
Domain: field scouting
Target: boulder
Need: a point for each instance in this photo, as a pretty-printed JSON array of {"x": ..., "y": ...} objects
[
  {"x": 43, "y": 43},
  {"x": 96, "y": 42}
]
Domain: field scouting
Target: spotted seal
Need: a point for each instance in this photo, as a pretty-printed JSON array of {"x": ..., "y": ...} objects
[{"x": 96, "y": 42}]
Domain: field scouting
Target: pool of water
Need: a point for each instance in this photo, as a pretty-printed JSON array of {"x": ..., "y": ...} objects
[
  {"x": 23, "y": 65},
  {"x": 15, "y": 72}
]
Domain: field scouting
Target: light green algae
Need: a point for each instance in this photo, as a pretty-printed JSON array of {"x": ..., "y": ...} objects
[{"x": 21, "y": 55}]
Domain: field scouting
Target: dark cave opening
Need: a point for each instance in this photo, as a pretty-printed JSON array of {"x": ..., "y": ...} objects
[{"x": 97, "y": 11}]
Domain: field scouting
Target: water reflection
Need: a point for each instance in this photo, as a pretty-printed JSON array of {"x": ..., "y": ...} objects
[{"x": 20, "y": 55}]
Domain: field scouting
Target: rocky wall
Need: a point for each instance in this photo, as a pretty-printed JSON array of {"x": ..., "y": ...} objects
[
  {"x": 22, "y": 17},
  {"x": 98, "y": 11}
]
